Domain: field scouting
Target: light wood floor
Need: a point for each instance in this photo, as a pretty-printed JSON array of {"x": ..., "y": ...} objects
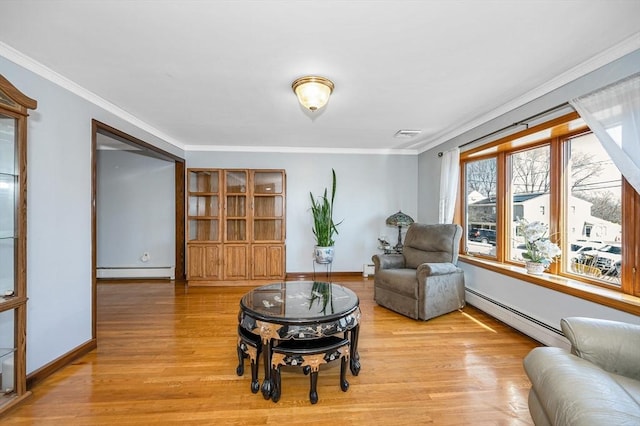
[{"x": 167, "y": 355}]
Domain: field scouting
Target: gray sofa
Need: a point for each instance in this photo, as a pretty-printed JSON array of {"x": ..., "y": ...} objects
[
  {"x": 598, "y": 383},
  {"x": 423, "y": 281}
]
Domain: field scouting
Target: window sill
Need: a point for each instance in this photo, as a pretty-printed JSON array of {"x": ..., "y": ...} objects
[{"x": 592, "y": 293}]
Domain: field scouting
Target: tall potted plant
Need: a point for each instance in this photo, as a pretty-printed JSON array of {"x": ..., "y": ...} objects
[{"x": 324, "y": 228}]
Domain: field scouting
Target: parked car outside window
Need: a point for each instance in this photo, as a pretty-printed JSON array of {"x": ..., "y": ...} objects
[
  {"x": 579, "y": 247},
  {"x": 484, "y": 236},
  {"x": 607, "y": 259}
]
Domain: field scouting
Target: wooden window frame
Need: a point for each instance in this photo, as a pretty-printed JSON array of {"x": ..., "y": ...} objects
[{"x": 561, "y": 129}]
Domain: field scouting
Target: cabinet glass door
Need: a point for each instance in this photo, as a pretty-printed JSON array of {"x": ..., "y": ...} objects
[
  {"x": 268, "y": 202},
  {"x": 236, "y": 205},
  {"x": 7, "y": 350},
  {"x": 8, "y": 202},
  {"x": 204, "y": 205}
]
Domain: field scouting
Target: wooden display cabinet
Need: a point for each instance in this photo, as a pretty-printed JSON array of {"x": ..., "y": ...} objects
[
  {"x": 236, "y": 224},
  {"x": 204, "y": 243},
  {"x": 14, "y": 108},
  {"x": 268, "y": 224}
]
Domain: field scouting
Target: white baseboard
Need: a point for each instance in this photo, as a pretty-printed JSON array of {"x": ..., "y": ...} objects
[
  {"x": 160, "y": 272},
  {"x": 543, "y": 333}
]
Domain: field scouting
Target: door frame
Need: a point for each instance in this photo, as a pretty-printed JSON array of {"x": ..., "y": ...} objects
[{"x": 99, "y": 127}]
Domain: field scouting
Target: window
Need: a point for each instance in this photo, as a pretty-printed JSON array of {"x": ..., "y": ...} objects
[
  {"x": 481, "y": 188},
  {"x": 529, "y": 195},
  {"x": 556, "y": 173},
  {"x": 594, "y": 185}
]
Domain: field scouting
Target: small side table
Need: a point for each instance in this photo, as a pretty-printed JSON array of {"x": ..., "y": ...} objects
[{"x": 392, "y": 251}]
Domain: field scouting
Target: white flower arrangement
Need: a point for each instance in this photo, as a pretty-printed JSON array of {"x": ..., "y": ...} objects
[{"x": 539, "y": 248}]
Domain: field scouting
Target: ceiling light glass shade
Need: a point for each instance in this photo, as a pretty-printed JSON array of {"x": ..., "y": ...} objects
[{"x": 313, "y": 91}]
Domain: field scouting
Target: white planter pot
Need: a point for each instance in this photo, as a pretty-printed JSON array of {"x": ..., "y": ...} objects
[
  {"x": 534, "y": 268},
  {"x": 323, "y": 254}
]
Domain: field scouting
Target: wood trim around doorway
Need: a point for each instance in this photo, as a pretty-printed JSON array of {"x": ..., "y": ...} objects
[{"x": 99, "y": 127}]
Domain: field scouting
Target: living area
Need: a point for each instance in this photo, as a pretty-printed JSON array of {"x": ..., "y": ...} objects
[{"x": 378, "y": 175}]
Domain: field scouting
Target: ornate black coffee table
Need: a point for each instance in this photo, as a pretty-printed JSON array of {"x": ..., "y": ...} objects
[{"x": 301, "y": 310}]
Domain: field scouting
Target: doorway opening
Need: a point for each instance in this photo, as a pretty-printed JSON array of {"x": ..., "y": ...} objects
[{"x": 114, "y": 148}]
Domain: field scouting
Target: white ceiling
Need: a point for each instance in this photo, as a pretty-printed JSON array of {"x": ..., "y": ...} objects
[{"x": 219, "y": 73}]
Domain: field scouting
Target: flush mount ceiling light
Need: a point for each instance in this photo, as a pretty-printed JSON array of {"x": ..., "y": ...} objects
[{"x": 312, "y": 91}]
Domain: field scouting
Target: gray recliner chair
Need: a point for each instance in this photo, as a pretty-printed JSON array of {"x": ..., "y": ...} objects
[{"x": 423, "y": 282}]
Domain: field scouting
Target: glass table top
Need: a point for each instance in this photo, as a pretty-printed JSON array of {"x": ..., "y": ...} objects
[{"x": 300, "y": 300}]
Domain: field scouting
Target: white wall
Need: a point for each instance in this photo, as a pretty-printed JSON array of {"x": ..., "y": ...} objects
[
  {"x": 543, "y": 304},
  {"x": 369, "y": 189},
  {"x": 59, "y": 213},
  {"x": 135, "y": 211}
]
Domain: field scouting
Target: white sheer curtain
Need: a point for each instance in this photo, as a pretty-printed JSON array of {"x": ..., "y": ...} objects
[
  {"x": 613, "y": 113},
  {"x": 449, "y": 175}
]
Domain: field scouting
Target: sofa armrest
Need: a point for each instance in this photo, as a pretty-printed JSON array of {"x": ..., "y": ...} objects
[
  {"x": 613, "y": 346},
  {"x": 573, "y": 391},
  {"x": 388, "y": 261},
  {"x": 432, "y": 269}
]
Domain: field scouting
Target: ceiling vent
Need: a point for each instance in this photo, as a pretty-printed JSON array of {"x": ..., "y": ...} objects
[{"x": 405, "y": 134}]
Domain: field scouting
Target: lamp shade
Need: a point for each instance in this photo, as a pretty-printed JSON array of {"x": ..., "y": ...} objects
[
  {"x": 399, "y": 219},
  {"x": 313, "y": 91}
]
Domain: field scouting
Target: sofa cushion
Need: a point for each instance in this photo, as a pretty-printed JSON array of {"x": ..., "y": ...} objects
[
  {"x": 631, "y": 386},
  {"x": 573, "y": 391},
  {"x": 431, "y": 243},
  {"x": 611, "y": 345},
  {"x": 401, "y": 281}
]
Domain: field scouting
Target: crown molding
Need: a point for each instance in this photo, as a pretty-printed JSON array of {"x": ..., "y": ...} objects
[
  {"x": 47, "y": 73},
  {"x": 619, "y": 50},
  {"x": 299, "y": 150}
]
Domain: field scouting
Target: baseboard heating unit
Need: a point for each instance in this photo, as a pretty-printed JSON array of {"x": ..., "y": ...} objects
[
  {"x": 158, "y": 272},
  {"x": 538, "y": 330}
]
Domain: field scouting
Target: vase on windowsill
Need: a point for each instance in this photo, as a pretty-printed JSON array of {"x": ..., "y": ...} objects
[
  {"x": 540, "y": 251},
  {"x": 534, "y": 268}
]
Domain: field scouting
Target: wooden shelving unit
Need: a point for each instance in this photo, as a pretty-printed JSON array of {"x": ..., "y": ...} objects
[{"x": 236, "y": 224}]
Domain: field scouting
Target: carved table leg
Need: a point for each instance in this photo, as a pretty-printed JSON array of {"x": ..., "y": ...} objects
[
  {"x": 313, "y": 392},
  {"x": 255, "y": 383},
  {"x": 344, "y": 384},
  {"x": 277, "y": 384},
  {"x": 267, "y": 384},
  {"x": 355, "y": 357},
  {"x": 255, "y": 364},
  {"x": 241, "y": 356}
]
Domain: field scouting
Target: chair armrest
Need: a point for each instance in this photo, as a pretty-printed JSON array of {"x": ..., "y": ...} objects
[
  {"x": 432, "y": 269},
  {"x": 613, "y": 346},
  {"x": 388, "y": 261}
]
